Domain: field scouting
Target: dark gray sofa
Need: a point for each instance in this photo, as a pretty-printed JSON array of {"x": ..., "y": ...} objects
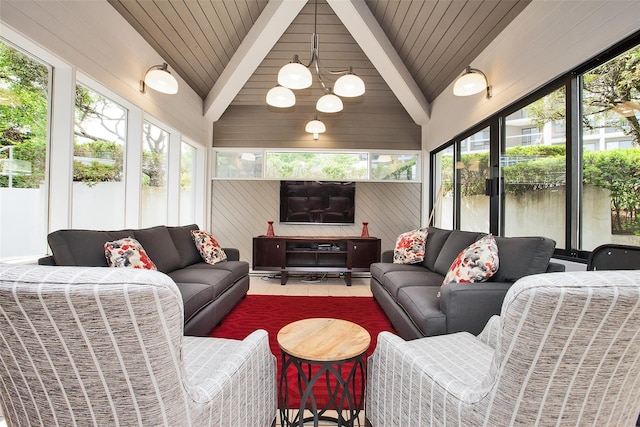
[
  {"x": 418, "y": 306},
  {"x": 209, "y": 292}
]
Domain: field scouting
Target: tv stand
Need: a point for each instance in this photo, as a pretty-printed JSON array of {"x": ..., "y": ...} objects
[{"x": 315, "y": 254}]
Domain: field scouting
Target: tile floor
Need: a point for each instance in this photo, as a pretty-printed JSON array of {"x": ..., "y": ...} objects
[{"x": 330, "y": 285}]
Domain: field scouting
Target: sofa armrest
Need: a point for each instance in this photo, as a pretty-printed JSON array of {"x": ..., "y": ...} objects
[
  {"x": 555, "y": 267},
  {"x": 468, "y": 307},
  {"x": 387, "y": 256},
  {"x": 47, "y": 260},
  {"x": 233, "y": 254}
]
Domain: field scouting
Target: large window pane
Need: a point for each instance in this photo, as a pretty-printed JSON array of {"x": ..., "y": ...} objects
[
  {"x": 329, "y": 166},
  {"x": 187, "y": 184},
  {"x": 100, "y": 129},
  {"x": 611, "y": 153},
  {"x": 397, "y": 167},
  {"x": 235, "y": 164},
  {"x": 443, "y": 213},
  {"x": 155, "y": 146},
  {"x": 533, "y": 166},
  {"x": 472, "y": 171},
  {"x": 24, "y": 119}
]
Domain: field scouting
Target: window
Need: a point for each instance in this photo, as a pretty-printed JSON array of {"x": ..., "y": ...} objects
[
  {"x": 534, "y": 171},
  {"x": 396, "y": 167},
  {"x": 312, "y": 165},
  {"x": 443, "y": 194},
  {"x": 575, "y": 181},
  {"x": 611, "y": 175},
  {"x": 239, "y": 164},
  {"x": 155, "y": 149},
  {"x": 100, "y": 128},
  {"x": 188, "y": 176},
  {"x": 24, "y": 122}
]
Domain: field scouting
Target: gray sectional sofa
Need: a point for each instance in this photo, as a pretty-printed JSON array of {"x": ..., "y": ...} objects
[
  {"x": 209, "y": 292},
  {"x": 417, "y": 305}
]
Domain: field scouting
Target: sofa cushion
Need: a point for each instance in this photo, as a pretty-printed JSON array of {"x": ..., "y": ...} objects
[
  {"x": 159, "y": 245},
  {"x": 456, "y": 242},
  {"x": 82, "y": 247},
  {"x": 409, "y": 247},
  {"x": 423, "y": 307},
  {"x": 187, "y": 250},
  {"x": 128, "y": 253},
  {"x": 522, "y": 256},
  {"x": 195, "y": 296},
  {"x": 477, "y": 263},
  {"x": 379, "y": 269},
  {"x": 238, "y": 269},
  {"x": 396, "y": 280},
  {"x": 218, "y": 279},
  {"x": 435, "y": 240}
]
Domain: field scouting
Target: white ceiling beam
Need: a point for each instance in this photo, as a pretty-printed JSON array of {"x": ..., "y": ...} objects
[
  {"x": 269, "y": 27},
  {"x": 360, "y": 22}
]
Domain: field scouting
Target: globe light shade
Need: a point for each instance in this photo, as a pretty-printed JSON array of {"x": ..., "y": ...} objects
[
  {"x": 294, "y": 75},
  {"x": 349, "y": 86},
  {"x": 470, "y": 83},
  {"x": 159, "y": 78},
  {"x": 315, "y": 126},
  {"x": 281, "y": 97},
  {"x": 329, "y": 103}
]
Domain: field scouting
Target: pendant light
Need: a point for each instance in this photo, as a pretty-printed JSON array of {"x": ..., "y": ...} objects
[{"x": 315, "y": 127}]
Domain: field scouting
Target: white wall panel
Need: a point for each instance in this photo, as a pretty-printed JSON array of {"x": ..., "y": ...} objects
[{"x": 241, "y": 209}]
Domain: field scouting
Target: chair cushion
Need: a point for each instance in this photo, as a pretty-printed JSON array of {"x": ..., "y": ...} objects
[
  {"x": 83, "y": 247},
  {"x": 159, "y": 245},
  {"x": 129, "y": 253},
  {"x": 187, "y": 250},
  {"x": 477, "y": 263},
  {"x": 423, "y": 307},
  {"x": 410, "y": 246},
  {"x": 522, "y": 256}
]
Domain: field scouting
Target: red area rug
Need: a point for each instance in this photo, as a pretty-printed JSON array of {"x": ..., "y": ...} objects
[{"x": 274, "y": 312}]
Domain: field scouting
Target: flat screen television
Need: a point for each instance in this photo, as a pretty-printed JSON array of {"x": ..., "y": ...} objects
[{"x": 317, "y": 202}]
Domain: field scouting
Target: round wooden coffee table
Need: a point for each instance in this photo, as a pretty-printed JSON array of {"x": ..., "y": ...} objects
[{"x": 318, "y": 348}]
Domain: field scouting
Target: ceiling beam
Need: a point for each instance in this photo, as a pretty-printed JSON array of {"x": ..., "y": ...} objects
[
  {"x": 360, "y": 22},
  {"x": 269, "y": 27}
]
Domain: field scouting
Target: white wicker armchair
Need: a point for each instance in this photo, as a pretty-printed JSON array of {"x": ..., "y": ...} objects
[
  {"x": 104, "y": 346},
  {"x": 564, "y": 351}
]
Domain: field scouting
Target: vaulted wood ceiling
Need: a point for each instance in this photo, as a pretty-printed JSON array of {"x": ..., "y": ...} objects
[{"x": 406, "y": 51}]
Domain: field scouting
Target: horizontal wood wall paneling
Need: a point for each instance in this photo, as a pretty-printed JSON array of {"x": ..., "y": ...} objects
[
  {"x": 357, "y": 128},
  {"x": 241, "y": 209}
]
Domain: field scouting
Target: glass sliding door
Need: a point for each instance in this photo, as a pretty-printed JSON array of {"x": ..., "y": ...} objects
[
  {"x": 611, "y": 153},
  {"x": 533, "y": 169},
  {"x": 443, "y": 189},
  {"x": 472, "y": 171}
]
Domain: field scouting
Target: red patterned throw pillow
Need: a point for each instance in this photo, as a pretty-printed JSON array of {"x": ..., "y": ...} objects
[
  {"x": 477, "y": 263},
  {"x": 209, "y": 248},
  {"x": 127, "y": 252},
  {"x": 410, "y": 247}
]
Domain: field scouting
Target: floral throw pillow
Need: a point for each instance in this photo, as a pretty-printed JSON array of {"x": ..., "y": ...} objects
[
  {"x": 477, "y": 263},
  {"x": 127, "y": 252},
  {"x": 410, "y": 247},
  {"x": 209, "y": 248}
]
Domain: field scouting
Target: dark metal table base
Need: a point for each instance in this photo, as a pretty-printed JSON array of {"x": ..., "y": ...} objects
[{"x": 343, "y": 396}]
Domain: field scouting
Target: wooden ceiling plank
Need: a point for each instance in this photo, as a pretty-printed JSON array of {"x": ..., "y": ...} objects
[
  {"x": 361, "y": 23},
  {"x": 216, "y": 51},
  {"x": 272, "y": 23}
]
